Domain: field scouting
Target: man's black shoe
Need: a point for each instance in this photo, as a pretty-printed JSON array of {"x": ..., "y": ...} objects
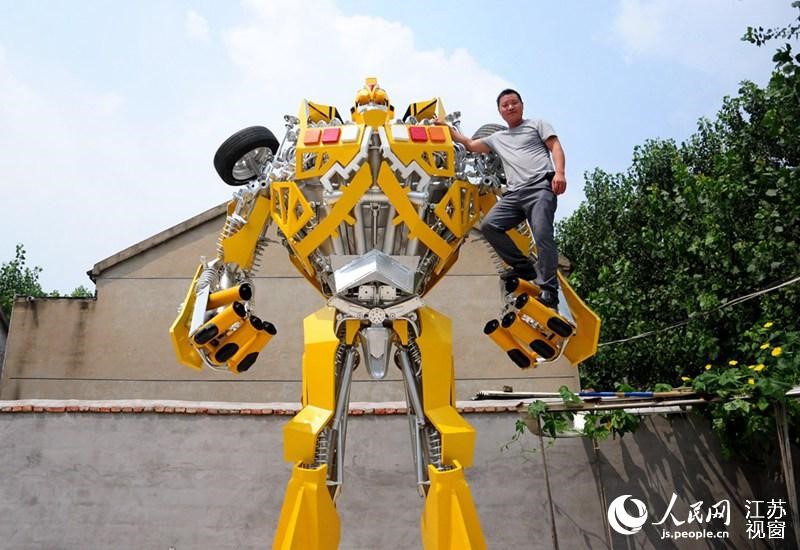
[{"x": 548, "y": 298}]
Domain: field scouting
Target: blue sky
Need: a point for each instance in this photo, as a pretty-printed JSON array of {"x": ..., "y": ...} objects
[{"x": 110, "y": 112}]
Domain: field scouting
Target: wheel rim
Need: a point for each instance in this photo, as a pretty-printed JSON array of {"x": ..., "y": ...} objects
[{"x": 249, "y": 166}]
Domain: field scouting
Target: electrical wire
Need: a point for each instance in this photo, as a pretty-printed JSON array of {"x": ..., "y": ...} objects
[{"x": 729, "y": 303}]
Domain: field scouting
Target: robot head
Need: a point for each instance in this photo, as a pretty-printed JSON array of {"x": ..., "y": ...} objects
[{"x": 372, "y": 104}]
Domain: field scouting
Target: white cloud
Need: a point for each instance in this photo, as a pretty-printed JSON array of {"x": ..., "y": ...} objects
[
  {"x": 701, "y": 35},
  {"x": 67, "y": 172},
  {"x": 196, "y": 26},
  {"x": 293, "y": 50},
  {"x": 89, "y": 168}
]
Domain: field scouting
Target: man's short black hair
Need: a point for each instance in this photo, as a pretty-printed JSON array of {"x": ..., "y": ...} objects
[{"x": 508, "y": 91}]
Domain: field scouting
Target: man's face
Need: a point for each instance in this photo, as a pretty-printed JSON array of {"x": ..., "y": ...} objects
[{"x": 510, "y": 109}]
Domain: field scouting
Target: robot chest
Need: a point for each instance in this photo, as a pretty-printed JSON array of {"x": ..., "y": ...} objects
[{"x": 388, "y": 190}]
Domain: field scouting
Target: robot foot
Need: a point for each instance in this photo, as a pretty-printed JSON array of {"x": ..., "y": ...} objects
[
  {"x": 308, "y": 519},
  {"x": 449, "y": 519}
]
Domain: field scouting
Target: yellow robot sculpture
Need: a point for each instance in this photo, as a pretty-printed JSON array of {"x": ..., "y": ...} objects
[{"x": 372, "y": 212}]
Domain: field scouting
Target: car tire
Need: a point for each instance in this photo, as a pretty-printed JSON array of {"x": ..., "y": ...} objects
[
  {"x": 487, "y": 130},
  {"x": 240, "y": 157}
]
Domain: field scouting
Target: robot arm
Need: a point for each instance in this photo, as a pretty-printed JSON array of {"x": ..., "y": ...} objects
[{"x": 216, "y": 325}]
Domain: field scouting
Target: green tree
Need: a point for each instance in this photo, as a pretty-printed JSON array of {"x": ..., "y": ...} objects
[
  {"x": 690, "y": 226},
  {"x": 17, "y": 279},
  {"x": 81, "y": 292}
]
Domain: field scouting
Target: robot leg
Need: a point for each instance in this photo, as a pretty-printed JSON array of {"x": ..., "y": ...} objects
[
  {"x": 443, "y": 441},
  {"x": 314, "y": 440}
]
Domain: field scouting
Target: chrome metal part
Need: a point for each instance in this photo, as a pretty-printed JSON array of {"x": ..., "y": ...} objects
[
  {"x": 229, "y": 277},
  {"x": 411, "y": 385},
  {"x": 376, "y": 343},
  {"x": 339, "y": 424},
  {"x": 389, "y": 232},
  {"x": 374, "y": 157},
  {"x": 251, "y": 165},
  {"x": 416, "y": 417},
  {"x": 199, "y": 311},
  {"x": 376, "y": 316},
  {"x": 404, "y": 308},
  {"x": 210, "y": 275},
  {"x": 374, "y": 266},
  {"x": 361, "y": 245},
  {"x": 351, "y": 310},
  {"x": 419, "y": 458},
  {"x": 375, "y": 210}
]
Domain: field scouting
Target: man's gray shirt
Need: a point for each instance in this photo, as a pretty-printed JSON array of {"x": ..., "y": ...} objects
[{"x": 525, "y": 156}]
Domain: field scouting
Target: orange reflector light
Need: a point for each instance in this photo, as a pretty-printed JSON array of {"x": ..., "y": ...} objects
[
  {"x": 418, "y": 134},
  {"x": 437, "y": 134},
  {"x": 311, "y": 137},
  {"x": 331, "y": 135}
]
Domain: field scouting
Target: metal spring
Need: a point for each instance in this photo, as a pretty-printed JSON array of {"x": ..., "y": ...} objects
[
  {"x": 258, "y": 252},
  {"x": 434, "y": 447},
  {"x": 209, "y": 278},
  {"x": 321, "y": 451},
  {"x": 232, "y": 226},
  {"x": 341, "y": 349},
  {"x": 415, "y": 354}
]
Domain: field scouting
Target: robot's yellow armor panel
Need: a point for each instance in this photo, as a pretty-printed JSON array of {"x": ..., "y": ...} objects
[{"x": 372, "y": 213}]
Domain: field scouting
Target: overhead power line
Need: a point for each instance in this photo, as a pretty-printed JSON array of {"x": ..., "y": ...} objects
[{"x": 729, "y": 303}]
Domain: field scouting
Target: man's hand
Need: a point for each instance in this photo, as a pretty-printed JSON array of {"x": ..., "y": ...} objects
[
  {"x": 473, "y": 145},
  {"x": 559, "y": 183},
  {"x": 439, "y": 121}
]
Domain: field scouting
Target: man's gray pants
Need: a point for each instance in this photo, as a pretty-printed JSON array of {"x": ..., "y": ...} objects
[{"x": 538, "y": 206}]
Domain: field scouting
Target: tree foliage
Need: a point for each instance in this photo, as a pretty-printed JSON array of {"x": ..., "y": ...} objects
[
  {"x": 17, "y": 279},
  {"x": 81, "y": 292},
  {"x": 691, "y": 226},
  {"x": 760, "y": 36},
  {"x": 746, "y": 389}
]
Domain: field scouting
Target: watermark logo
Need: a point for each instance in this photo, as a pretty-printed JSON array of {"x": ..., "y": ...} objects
[
  {"x": 769, "y": 524},
  {"x": 621, "y": 521},
  {"x": 766, "y": 519}
]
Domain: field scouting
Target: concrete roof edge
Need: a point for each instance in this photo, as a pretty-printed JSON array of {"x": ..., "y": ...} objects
[{"x": 156, "y": 240}]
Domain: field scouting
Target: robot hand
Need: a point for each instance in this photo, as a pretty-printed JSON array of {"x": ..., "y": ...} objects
[
  {"x": 232, "y": 336},
  {"x": 223, "y": 332}
]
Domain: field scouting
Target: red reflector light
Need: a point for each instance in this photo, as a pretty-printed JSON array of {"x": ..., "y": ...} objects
[
  {"x": 311, "y": 136},
  {"x": 331, "y": 135},
  {"x": 437, "y": 134},
  {"x": 418, "y": 134}
]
